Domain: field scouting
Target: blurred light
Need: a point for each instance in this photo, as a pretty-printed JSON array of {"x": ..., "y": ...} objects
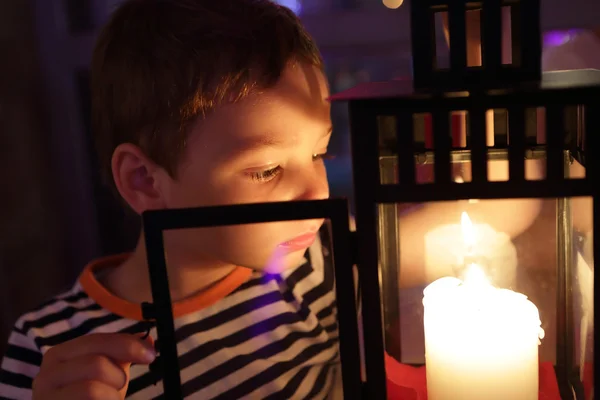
[
  {"x": 392, "y": 3},
  {"x": 556, "y": 38},
  {"x": 294, "y": 5}
]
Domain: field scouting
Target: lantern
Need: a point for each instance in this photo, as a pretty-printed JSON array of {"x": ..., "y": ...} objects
[
  {"x": 476, "y": 207},
  {"x": 475, "y": 212}
]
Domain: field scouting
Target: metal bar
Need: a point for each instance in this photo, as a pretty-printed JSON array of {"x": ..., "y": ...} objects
[
  {"x": 580, "y": 134},
  {"x": 516, "y": 143},
  {"x": 530, "y": 37},
  {"x": 458, "y": 35},
  {"x": 564, "y": 293},
  {"x": 365, "y": 154},
  {"x": 423, "y": 43},
  {"x": 161, "y": 301},
  {"x": 442, "y": 143},
  {"x": 345, "y": 294},
  {"x": 488, "y": 190},
  {"x": 516, "y": 34},
  {"x": 527, "y": 96},
  {"x": 405, "y": 150},
  {"x": 389, "y": 262},
  {"x": 590, "y": 141},
  {"x": 491, "y": 37},
  {"x": 240, "y": 214},
  {"x": 477, "y": 139},
  {"x": 464, "y": 156},
  {"x": 555, "y": 140}
]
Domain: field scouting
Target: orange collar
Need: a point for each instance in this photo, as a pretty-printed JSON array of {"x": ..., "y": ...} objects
[{"x": 126, "y": 309}]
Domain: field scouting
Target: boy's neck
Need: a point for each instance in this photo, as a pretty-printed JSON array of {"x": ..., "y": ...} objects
[{"x": 130, "y": 281}]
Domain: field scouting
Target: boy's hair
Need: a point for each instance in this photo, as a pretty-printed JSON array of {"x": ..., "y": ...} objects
[{"x": 158, "y": 65}]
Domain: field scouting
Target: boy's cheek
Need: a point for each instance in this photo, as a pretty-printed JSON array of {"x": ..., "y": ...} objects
[{"x": 254, "y": 246}]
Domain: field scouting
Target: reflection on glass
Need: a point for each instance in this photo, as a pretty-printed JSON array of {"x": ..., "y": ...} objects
[
  {"x": 450, "y": 248},
  {"x": 583, "y": 284}
]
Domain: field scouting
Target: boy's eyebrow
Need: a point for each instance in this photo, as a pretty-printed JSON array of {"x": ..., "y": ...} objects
[
  {"x": 268, "y": 140},
  {"x": 256, "y": 142}
]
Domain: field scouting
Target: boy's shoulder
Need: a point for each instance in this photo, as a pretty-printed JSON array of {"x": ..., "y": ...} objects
[
  {"x": 50, "y": 315},
  {"x": 30, "y": 337}
]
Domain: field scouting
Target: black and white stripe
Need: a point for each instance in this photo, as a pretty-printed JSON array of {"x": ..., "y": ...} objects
[{"x": 274, "y": 337}]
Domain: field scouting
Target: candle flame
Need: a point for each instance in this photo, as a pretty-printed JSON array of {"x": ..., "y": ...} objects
[
  {"x": 468, "y": 231},
  {"x": 474, "y": 275}
]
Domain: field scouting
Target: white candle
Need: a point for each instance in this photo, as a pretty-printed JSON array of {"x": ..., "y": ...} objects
[
  {"x": 447, "y": 246},
  {"x": 481, "y": 342}
]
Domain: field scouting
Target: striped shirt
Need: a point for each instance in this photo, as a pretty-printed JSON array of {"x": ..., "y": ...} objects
[{"x": 251, "y": 336}]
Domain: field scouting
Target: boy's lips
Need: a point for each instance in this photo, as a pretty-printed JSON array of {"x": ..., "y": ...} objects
[{"x": 301, "y": 242}]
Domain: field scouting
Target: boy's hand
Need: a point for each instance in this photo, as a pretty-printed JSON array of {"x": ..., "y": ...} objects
[{"x": 94, "y": 366}]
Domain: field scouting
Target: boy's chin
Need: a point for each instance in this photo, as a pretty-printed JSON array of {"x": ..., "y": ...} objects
[{"x": 283, "y": 261}]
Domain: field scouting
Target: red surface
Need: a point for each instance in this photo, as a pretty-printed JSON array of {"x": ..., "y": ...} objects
[
  {"x": 408, "y": 383},
  {"x": 588, "y": 380}
]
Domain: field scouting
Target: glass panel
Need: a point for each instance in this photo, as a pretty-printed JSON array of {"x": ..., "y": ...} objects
[
  {"x": 488, "y": 339},
  {"x": 264, "y": 323},
  {"x": 582, "y": 278}
]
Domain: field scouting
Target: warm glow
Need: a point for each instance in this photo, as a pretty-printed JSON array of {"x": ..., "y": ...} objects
[
  {"x": 474, "y": 275},
  {"x": 392, "y": 3},
  {"x": 481, "y": 342},
  {"x": 468, "y": 230}
]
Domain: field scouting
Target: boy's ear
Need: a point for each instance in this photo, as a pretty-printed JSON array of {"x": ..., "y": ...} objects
[{"x": 137, "y": 178}]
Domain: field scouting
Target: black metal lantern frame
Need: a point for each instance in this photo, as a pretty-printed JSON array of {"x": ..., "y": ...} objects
[
  {"x": 473, "y": 90},
  {"x": 525, "y": 44},
  {"x": 166, "y": 366},
  {"x": 367, "y": 104}
]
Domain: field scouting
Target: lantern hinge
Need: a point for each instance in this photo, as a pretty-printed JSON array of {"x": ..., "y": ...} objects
[
  {"x": 149, "y": 316},
  {"x": 148, "y": 311}
]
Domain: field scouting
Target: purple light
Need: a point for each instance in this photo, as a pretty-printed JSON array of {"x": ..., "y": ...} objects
[
  {"x": 556, "y": 38},
  {"x": 294, "y": 5}
]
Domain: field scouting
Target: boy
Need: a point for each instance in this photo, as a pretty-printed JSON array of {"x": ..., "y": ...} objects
[{"x": 197, "y": 103}]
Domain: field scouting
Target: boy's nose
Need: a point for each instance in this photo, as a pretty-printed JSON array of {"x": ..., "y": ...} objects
[{"x": 315, "y": 189}]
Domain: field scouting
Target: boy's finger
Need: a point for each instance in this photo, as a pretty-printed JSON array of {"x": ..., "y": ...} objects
[
  {"x": 91, "y": 390},
  {"x": 127, "y": 369},
  {"x": 120, "y": 347},
  {"x": 86, "y": 368}
]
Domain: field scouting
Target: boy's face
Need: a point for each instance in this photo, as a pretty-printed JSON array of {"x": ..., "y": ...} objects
[{"x": 267, "y": 147}]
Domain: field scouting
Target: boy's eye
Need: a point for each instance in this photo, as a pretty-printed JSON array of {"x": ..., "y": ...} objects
[
  {"x": 269, "y": 174},
  {"x": 266, "y": 175}
]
